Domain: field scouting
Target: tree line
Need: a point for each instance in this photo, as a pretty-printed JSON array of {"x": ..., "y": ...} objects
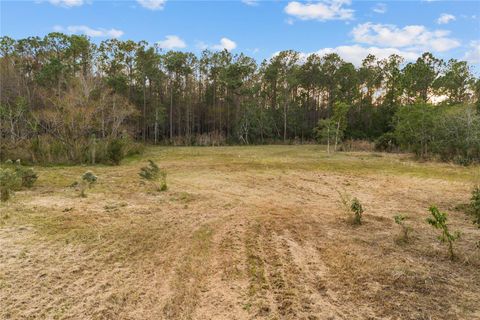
[{"x": 67, "y": 99}]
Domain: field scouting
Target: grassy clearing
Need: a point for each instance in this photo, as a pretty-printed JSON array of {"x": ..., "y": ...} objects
[{"x": 242, "y": 232}]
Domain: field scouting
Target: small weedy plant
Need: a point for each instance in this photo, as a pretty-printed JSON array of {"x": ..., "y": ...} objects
[
  {"x": 439, "y": 221},
  {"x": 155, "y": 175},
  {"x": 406, "y": 229},
  {"x": 344, "y": 201},
  {"x": 9, "y": 182},
  {"x": 357, "y": 209},
  {"x": 475, "y": 205},
  {"x": 88, "y": 180}
]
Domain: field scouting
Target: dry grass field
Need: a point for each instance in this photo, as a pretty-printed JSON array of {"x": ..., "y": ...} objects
[{"x": 241, "y": 233}]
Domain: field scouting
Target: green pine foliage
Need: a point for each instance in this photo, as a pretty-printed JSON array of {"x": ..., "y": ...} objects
[
  {"x": 115, "y": 151},
  {"x": 155, "y": 175},
  {"x": 9, "y": 181},
  {"x": 27, "y": 176},
  {"x": 15, "y": 177},
  {"x": 88, "y": 180}
]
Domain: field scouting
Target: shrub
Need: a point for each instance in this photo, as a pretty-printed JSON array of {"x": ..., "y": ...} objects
[
  {"x": 214, "y": 138},
  {"x": 27, "y": 176},
  {"x": 357, "y": 209},
  {"x": 439, "y": 221},
  {"x": 155, "y": 175},
  {"x": 115, "y": 151},
  {"x": 350, "y": 206},
  {"x": 386, "y": 142},
  {"x": 357, "y": 145},
  {"x": 400, "y": 220},
  {"x": 450, "y": 132},
  {"x": 9, "y": 182},
  {"x": 475, "y": 205},
  {"x": 88, "y": 180}
]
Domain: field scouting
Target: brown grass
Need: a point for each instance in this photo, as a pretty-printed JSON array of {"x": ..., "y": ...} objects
[{"x": 241, "y": 233}]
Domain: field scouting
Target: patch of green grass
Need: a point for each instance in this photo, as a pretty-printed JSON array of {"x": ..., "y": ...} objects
[{"x": 309, "y": 158}]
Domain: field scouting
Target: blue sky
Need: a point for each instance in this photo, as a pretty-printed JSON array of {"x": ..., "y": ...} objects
[{"x": 449, "y": 29}]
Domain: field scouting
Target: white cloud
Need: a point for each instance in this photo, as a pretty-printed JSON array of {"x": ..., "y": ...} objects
[
  {"x": 473, "y": 54},
  {"x": 322, "y": 11},
  {"x": 414, "y": 37},
  {"x": 445, "y": 18},
  {"x": 172, "y": 42},
  {"x": 94, "y": 33},
  {"x": 201, "y": 45},
  {"x": 380, "y": 8},
  {"x": 356, "y": 53},
  {"x": 67, "y": 3},
  {"x": 225, "y": 43},
  {"x": 251, "y": 2},
  {"x": 152, "y": 4}
]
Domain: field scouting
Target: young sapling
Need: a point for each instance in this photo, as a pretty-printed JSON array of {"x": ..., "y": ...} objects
[
  {"x": 357, "y": 209},
  {"x": 438, "y": 220},
  {"x": 88, "y": 180}
]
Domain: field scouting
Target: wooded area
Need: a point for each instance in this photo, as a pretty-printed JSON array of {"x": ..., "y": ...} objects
[{"x": 67, "y": 99}]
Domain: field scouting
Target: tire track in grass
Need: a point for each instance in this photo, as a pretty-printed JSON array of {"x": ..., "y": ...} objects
[
  {"x": 226, "y": 283},
  {"x": 190, "y": 275},
  {"x": 257, "y": 301}
]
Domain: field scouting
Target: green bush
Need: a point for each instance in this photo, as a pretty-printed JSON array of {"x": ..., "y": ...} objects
[
  {"x": 155, "y": 175},
  {"x": 439, "y": 221},
  {"x": 9, "y": 181},
  {"x": 475, "y": 205},
  {"x": 115, "y": 151},
  {"x": 27, "y": 176},
  {"x": 386, "y": 142}
]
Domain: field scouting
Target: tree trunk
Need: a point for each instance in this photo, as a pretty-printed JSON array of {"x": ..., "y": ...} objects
[
  {"x": 144, "y": 112},
  {"x": 156, "y": 125},
  {"x": 285, "y": 119},
  {"x": 171, "y": 111},
  {"x": 336, "y": 136},
  {"x": 328, "y": 138}
]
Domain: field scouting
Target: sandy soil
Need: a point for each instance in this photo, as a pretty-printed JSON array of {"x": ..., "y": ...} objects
[{"x": 241, "y": 233}]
